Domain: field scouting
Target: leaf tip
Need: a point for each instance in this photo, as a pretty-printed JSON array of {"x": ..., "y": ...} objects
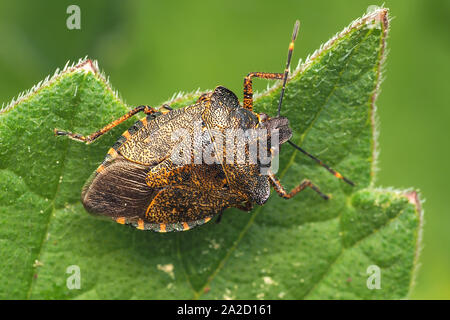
[
  {"x": 413, "y": 198},
  {"x": 88, "y": 65},
  {"x": 378, "y": 14}
]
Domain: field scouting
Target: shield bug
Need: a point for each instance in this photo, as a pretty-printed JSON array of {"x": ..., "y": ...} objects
[{"x": 141, "y": 182}]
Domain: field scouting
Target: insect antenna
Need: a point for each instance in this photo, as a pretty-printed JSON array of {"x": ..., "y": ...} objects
[
  {"x": 286, "y": 71},
  {"x": 333, "y": 172}
]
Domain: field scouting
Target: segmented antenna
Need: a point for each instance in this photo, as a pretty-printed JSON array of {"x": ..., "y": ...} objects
[
  {"x": 333, "y": 172},
  {"x": 286, "y": 71}
]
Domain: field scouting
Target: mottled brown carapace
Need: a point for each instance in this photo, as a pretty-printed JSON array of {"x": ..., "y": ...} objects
[{"x": 140, "y": 184}]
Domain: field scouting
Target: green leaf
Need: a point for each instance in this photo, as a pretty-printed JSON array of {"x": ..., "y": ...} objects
[{"x": 302, "y": 248}]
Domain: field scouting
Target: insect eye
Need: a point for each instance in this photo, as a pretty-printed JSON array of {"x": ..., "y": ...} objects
[{"x": 263, "y": 117}]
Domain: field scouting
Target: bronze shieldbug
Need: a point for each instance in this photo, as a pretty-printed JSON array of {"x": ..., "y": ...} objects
[{"x": 140, "y": 184}]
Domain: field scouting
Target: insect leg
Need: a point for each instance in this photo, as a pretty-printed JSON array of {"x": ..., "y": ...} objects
[
  {"x": 276, "y": 184},
  {"x": 248, "y": 82},
  {"x": 248, "y": 90},
  {"x": 90, "y": 138}
]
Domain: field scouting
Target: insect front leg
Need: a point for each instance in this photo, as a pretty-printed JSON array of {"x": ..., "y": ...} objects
[
  {"x": 276, "y": 184},
  {"x": 92, "y": 137},
  {"x": 248, "y": 90},
  {"x": 248, "y": 85}
]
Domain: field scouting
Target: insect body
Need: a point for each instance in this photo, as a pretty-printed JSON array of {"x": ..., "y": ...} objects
[{"x": 140, "y": 183}]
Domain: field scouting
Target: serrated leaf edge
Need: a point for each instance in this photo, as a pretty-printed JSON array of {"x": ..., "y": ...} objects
[{"x": 83, "y": 65}]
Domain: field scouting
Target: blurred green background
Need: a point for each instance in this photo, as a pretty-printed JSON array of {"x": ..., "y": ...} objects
[{"x": 152, "y": 50}]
